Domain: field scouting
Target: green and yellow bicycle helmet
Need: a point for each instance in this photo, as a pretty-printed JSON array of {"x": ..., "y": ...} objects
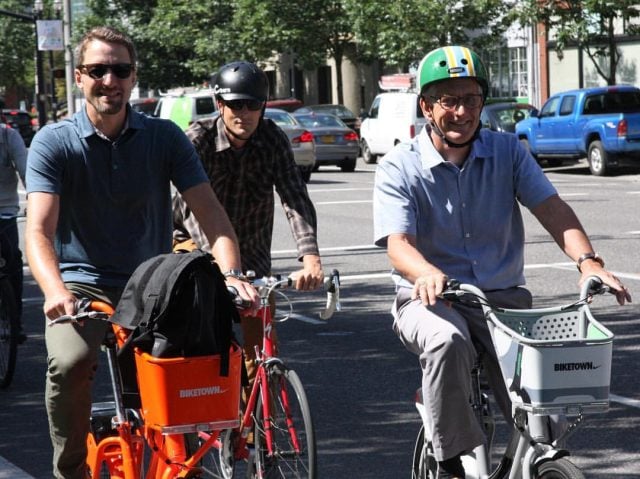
[{"x": 452, "y": 62}]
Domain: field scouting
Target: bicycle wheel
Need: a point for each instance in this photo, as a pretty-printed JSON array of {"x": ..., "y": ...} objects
[
  {"x": 425, "y": 465},
  {"x": 559, "y": 469},
  {"x": 8, "y": 333},
  {"x": 218, "y": 462},
  {"x": 294, "y": 442}
]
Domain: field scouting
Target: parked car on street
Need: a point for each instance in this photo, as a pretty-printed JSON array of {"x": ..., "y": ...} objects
[
  {"x": 503, "y": 116},
  {"x": 19, "y": 120},
  {"x": 185, "y": 107},
  {"x": 146, "y": 105},
  {"x": 601, "y": 123},
  {"x": 286, "y": 104},
  {"x": 336, "y": 143},
  {"x": 341, "y": 111},
  {"x": 300, "y": 138},
  {"x": 394, "y": 117}
]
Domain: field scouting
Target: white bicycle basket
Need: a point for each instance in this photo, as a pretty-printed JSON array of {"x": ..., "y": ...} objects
[{"x": 554, "y": 361}]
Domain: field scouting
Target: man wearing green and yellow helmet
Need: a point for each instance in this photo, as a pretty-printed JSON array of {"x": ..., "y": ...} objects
[
  {"x": 453, "y": 85},
  {"x": 447, "y": 205}
]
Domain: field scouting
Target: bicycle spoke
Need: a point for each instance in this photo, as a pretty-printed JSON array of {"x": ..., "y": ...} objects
[{"x": 293, "y": 453}]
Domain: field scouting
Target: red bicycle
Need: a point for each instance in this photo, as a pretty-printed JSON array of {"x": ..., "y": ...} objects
[{"x": 277, "y": 412}]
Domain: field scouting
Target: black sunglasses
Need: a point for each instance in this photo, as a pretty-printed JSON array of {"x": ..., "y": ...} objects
[
  {"x": 252, "y": 105},
  {"x": 97, "y": 71}
]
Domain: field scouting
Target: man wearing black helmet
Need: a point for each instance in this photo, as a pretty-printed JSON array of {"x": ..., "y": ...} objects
[
  {"x": 246, "y": 156},
  {"x": 447, "y": 205}
]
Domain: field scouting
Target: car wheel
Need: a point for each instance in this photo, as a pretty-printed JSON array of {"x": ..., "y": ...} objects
[
  {"x": 348, "y": 165},
  {"x": 598, "y": 159},
  {"x": 367, "y": 156}
]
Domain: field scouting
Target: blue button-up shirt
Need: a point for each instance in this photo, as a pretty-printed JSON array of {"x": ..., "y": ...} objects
[
  {"x": 115, "y": 202},
  {"x": 467, "y": 221}
]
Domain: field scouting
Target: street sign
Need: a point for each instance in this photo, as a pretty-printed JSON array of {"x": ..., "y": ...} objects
[{"x": 49, "y": 35}]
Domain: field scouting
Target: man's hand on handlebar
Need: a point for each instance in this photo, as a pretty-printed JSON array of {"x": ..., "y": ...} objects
[
  {"x": 311, "y": 276},
  {"x": 247, "y": 292},
  {"x": 608, "y": 278},
  {"x": 60, "y": 304},
  {"x": 427, "y": 287}
]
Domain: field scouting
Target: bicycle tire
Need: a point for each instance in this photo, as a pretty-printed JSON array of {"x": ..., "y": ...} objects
[
  {"x": 425, "y": 465},
  {"x": 8, "y": 333},
  {"x": 559, "y": 469},
  {"x": 218, "y": 463},
  {"x": 288, "y": 400}
]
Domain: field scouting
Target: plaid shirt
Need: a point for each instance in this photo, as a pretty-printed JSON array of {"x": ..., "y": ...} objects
[{"x": 244, "y": 180}]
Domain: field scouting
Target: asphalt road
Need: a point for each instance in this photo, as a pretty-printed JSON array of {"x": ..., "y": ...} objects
[{"x": 358, "y": 377}]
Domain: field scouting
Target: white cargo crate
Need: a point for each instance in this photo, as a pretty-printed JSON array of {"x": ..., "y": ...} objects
[{"x": 554, "y": 361}]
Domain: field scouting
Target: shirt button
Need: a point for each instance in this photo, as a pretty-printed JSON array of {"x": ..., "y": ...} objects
[{"x": 467, "y": 235}]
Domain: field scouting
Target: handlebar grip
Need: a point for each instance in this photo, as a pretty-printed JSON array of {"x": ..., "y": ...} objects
[
  {"x": 332, "y": 286},
  {"x": 238, "y": 300}
]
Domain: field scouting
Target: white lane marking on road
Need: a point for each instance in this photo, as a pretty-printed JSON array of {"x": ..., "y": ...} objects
[
  {"x": 626, "y": 401},
  {"x": 9, "y": 471},
  {"x": 341, "y": 202}
]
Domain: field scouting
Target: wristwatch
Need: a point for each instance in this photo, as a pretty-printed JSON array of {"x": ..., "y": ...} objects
[
  {"x": 594, "y": 256},
  {"x": 234, "y": 273}
]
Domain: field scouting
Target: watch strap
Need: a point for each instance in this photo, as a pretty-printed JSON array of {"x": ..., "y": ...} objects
[{"x": 594, "y": 256}]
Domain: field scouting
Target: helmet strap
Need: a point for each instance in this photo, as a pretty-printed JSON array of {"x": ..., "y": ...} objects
[{"x": 450, "y": 143}]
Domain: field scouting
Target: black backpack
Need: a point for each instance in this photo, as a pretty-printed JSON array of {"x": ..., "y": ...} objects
[{"x": 177, "y": 305}]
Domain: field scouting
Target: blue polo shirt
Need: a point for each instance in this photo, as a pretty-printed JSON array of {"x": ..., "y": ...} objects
[
  {"x": 115, "y": 203},
  {"x": 467, "y": 221}
]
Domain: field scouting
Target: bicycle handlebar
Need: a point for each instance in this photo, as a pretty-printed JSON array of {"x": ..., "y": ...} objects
[
  {"x": 85, "y": 309},
  {"x": 267, "y": 284},
  {"x": 455, "y": 291}
]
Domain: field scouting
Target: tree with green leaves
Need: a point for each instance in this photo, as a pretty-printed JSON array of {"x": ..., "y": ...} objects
[
  {"x": 17, "y": 56},
  {"x": 400, "y": 33},
  {"x": 589, "y": 25}
]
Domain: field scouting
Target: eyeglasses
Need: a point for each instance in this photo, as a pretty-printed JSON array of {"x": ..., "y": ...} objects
[
  {"x": 252, "y": 105},
  {"x": 448, "y": 102},
  {"x": 97, "y": 71}
]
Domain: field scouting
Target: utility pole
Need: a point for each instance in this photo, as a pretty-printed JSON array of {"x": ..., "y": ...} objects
[{"x": 68, "y": 57}]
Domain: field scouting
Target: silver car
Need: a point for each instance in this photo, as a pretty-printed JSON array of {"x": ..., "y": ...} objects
[
  {"x": 301, "y": 140},
  {"x": 336, "y": 143}
]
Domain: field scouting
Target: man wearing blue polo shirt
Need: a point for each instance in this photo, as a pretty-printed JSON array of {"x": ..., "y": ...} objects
[
  {"x": 99, "y": 204},
  {"x": 446, "y": 206}
]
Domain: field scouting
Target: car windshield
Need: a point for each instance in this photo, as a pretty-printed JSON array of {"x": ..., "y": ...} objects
[
  {"x": 314, "y": 121},
  {"x": 281, "y": 118},
  {"x": 508, "y": 117}
]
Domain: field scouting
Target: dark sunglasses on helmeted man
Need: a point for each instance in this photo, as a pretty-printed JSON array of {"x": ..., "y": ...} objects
[
  {"x": 252, "y": 105},
  {"x": 97, "y": 71}
]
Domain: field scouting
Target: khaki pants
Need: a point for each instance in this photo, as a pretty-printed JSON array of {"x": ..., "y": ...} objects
[
  {"x": 445, "y": 339},
  {"x": 72, "y": 359}
]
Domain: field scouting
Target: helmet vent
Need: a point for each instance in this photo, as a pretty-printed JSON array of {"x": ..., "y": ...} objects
[
  {"x": 443, "y": 63},
  {"x": 464, "y": 61}
]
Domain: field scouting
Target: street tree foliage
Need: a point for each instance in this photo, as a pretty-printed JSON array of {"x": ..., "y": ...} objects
[
  {"x": 17, "y": 55},
  {"x": 400, "y": 33},
  {"x": 586, "y": 24}
]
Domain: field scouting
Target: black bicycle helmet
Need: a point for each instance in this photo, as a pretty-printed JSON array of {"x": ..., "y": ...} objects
[{"x": 241, "y": 80}]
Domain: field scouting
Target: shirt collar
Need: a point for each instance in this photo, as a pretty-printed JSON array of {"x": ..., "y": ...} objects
[{"x": 87, "y": 128}]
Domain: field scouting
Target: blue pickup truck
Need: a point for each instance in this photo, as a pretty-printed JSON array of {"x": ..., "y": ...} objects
[{"x": 601, "y": 124}]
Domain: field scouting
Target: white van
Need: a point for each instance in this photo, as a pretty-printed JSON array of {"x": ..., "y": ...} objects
[
  {"x": 394, "y": 117},
  {"x": 184, "y": 108}
]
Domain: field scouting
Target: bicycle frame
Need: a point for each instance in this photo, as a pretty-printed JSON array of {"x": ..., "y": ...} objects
[
  {"x": 264, "y": 358},
  {"x": 123, "y": 452},
  {"x": 533, "y": 444}
]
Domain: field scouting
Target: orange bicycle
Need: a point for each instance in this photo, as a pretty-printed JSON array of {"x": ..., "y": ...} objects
[
  {"x": 186, "y": 398},
  {"x": 277, "y": 412}
]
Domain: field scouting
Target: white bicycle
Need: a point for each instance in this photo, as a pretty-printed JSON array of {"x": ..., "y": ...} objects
[{"x": 554, "y": 361}]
